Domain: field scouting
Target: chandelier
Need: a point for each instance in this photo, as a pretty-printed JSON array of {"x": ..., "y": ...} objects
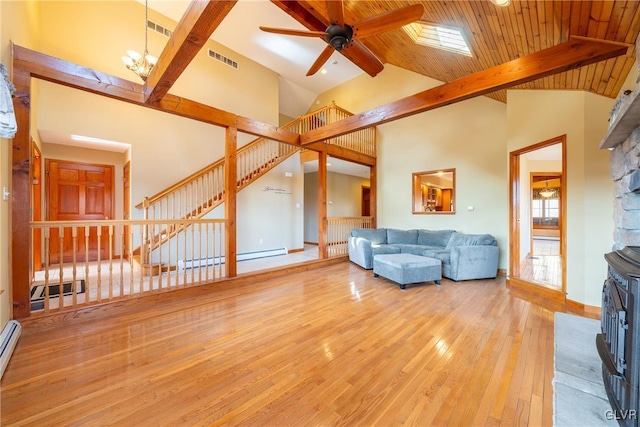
[
  {"x": 141, "y": 64},
  {"x": 547, "y": 192}
]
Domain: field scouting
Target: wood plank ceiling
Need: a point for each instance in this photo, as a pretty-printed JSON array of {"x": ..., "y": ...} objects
[{"x": 500, "y": 34}]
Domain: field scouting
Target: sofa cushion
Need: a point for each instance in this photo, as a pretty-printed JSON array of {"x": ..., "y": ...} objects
[
  {"x": 411, "y": 249},
  {"x": 406, "y": 237},
  {"x": 441, "y": 254},
  {"x": 462, "y": 239},
  {"x": 376, "y": 236},
  {"x": 384, "y": 249},
  {"x": 438, "y": 238}
]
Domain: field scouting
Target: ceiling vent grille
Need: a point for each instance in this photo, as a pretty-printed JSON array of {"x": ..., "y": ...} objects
[
  {"x": 219, "y": 57},
  {"x": 159, "y": 28}
]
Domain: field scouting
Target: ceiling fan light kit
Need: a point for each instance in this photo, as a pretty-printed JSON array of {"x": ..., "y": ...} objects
[{"x": 339, "y": 37}]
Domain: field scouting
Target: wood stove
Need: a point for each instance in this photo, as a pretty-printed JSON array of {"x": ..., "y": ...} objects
[{"x": 619, "y": 343}]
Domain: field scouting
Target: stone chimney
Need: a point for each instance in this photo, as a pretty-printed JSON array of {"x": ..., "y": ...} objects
[{"x": 623, "y": 139}]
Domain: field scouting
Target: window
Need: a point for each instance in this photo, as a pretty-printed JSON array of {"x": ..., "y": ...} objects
[
  {"x": 438, "y": 36},
  {"x": 545, "y": 212}
]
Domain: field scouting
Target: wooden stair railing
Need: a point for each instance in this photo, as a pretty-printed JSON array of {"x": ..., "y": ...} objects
[{"x": 203, "y": 191}]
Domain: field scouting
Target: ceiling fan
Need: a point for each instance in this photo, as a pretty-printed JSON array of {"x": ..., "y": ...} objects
[{"x": 345, "y": 38}]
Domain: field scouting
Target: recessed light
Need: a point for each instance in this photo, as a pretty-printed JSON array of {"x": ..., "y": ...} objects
[
  {"x": 334, "y": 62},
  {"x": 323, "y": 71}
]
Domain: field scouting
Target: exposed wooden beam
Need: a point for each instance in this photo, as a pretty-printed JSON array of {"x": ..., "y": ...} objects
[
  {"x": 342, "y": 153},
  {"x": 230, "y": 200},
  {"x": 576, "y": 52},
  {"x": 59, "y": 71},
  {"x": 19, "y": 201},
  {"x": 302, "y": 15},
  {"x": 194, "y": 29}
]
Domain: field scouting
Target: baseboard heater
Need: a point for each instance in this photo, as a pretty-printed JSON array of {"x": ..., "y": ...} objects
[
  {"x": 204, "y": 262},
  {"x": 8, "y": 341}
]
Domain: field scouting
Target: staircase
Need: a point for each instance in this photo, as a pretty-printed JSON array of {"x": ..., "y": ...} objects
[{"x": 200, "y": 193}]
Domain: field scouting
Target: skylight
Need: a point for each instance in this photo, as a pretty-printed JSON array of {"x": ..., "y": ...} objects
[{"x": 438, "y": 36}]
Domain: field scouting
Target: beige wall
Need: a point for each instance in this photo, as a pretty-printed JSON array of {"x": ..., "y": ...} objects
[
  {"x": 164, "y": 148},
  {"x": 536, "y": 116},
  {"x": 18, "y": 23},
  {"x": 457, "y": 136},
  {"x": 344, "y": 199}
]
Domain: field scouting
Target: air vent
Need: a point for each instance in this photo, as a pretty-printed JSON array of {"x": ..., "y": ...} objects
[
  {"x": 159, "y": 29},
  {"x": 218, "y": 57}
]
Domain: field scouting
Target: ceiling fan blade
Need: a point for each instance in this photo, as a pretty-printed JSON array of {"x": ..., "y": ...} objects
[
  {"x": 335, "y": 10},
  {"x": 388, "y": 20},
  {"x": 302, "y": 33},
  {"x": 358, "y": 53},
  {"x": 324, "y": 56}
]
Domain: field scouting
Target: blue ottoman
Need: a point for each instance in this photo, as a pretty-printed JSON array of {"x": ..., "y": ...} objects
[{"x": 407, "y": 268}]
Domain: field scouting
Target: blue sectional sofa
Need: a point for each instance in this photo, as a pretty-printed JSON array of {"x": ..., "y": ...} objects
[{"x": 463, "y": 256}]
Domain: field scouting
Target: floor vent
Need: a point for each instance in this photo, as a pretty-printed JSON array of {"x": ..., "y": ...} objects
[
  {"x": 159, "y": 29},
  {"x": 219, "y": 57},
  {"x": 204, "y": 262},
  {"x": 8, "y": 340}
]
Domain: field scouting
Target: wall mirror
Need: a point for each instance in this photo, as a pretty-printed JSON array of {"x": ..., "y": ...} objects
[{"x": 434, "y": 192}]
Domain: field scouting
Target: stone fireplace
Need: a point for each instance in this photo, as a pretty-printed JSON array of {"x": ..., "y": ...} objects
[{"x": 618, "y": 344}]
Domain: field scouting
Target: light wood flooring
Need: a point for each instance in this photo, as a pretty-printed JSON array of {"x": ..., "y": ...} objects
[
  {"x": 544, "y": 265},
  {"x": 331, "y": 346}
]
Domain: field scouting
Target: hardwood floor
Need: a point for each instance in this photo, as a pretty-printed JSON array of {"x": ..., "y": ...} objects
[
  {"x": 333, "y": 346},
  {"x": 544, "y": 265}
]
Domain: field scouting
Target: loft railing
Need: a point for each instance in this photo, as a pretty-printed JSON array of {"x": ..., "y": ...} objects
[
  {"x": 90, "y": 262},
  {"x": 362, "y": 141},
  {"x": 338, "y": 230},
  {"x": 202, "y": 191}
]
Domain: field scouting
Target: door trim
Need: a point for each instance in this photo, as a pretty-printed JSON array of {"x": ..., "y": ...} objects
[{"x": 513, "y": 276}]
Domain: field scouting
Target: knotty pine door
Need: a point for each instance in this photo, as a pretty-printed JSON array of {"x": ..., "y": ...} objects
[{"x": 78, "y": 191}]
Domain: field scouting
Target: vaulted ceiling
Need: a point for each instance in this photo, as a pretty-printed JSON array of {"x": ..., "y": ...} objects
[{"x": 496, "y": 35}]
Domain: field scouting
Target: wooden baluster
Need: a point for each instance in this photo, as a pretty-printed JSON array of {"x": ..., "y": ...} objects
[
  {"x": 131, "y": 263},
  {"x": 159, "y": 249},
  {"x": 169, "y": 260},
  {"x": 47, "y": 264},
  {"x": 99, "y": 264},
  {"x": 122, "y": 257},
  {"x": 110, "y": 261},
  {"x": 74, "y": 291}
]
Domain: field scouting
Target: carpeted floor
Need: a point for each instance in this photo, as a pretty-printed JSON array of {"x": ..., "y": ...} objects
[{"x": 579, "y": 397}]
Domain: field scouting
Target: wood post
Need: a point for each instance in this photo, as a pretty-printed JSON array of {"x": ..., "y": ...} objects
[
  {"x": 230, "y": 190},
  {"x": 19, "y": 203},
  {"x": 322, "y": 206}
]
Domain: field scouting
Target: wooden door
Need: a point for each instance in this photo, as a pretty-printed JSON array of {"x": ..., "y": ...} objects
[
  {"x": 126, "y": 181},
  {"x": 366, "y": 201},
  {"x": 75, "y": 192}
]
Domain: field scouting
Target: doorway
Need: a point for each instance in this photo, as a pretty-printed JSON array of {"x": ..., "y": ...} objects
[
  {"x": 366, "y": 201},
  {"x": 78, "y": 191},
  {"x": 537, "y": 213}
]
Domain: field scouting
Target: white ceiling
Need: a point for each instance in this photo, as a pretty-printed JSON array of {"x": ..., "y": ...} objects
[{"x": 289, "y": 56}]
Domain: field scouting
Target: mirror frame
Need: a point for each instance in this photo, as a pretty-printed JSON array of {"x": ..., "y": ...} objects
[{"x": 417, "y": 193}]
